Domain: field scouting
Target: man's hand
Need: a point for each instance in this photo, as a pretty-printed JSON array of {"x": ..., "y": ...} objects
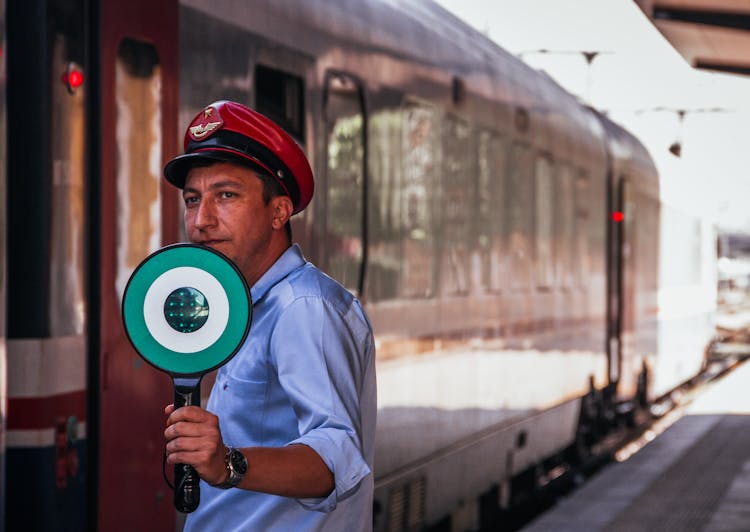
[{"x": 194, "y": 438}]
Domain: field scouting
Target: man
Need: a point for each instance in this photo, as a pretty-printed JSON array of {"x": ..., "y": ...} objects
[{"x": 286, "y": 441}]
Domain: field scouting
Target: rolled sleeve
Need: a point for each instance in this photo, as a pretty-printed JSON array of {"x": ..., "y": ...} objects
[
  {"x": 343, "y": 458},
  {"x": 321, "y": 359}
]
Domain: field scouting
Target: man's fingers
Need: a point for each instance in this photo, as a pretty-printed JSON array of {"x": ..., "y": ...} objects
[
  {"x": 201, "y": 445},
  {"x": 193, "y": 414},
  {"x": 194, "y": 438},
  {"x": 188, "y": 429},
  {"x": 191, "y": 458},
  {"x": 210, "y": 466}
]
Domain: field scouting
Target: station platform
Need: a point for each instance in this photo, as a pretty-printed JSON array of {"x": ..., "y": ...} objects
[{"x": 693, "y": 476}]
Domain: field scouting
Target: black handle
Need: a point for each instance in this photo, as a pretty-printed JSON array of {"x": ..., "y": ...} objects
[{"x": 187, "y": 492}]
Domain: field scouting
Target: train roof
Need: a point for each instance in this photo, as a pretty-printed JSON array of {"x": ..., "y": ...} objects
[
  {"x": 413, "y": 41},
  {"x": 630, "y": 158}
]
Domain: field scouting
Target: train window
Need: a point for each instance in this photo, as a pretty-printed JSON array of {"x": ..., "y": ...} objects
[
  {"x": 46, "y": 209},
  {"x": 345, "y": 123},
  {"x": 67, "y": 286},
  {"x": 519, "y": 218},
  {"x": 419, "y": 193},
  {"x": 489, "y": 215},
  {"x": 564, "y": 221},
  {"x": 645, "y": 224},
  {"x": 581, "y": 228},
  {"x": 544, "y": 223},
  {"x": 384, "y": 223},
  {"x": 138, "y": 170},
  {"x": 280, "y": 96},
  {"x": 457, "y": 176}
]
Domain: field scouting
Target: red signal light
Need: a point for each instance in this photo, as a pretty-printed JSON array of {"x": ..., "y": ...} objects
[
  {"x": 617, "y": 216},
  {"x": 72, "y": 77},
  {"x": 75, "y": 78}
]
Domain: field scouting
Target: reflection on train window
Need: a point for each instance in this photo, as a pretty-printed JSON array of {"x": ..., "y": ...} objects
[
  {"x": 632, "y": 289},
  {"x": 280, "y": 96},
  {"x": 691, "y": 240},
  {"x": 642, "y": 231},
  {"x": 519, "y": 216},
  {"x": 457, "y": 175},
  {"x": 384, "y": 187},
  {"x": 68, "y": 220},
  {"x": 138, "y": 165},
  {"x": 344, "y": 212},
  {"x": 544, "y": 210},
  {"x": 489, "y": 214},
  {"x": 564, "y": 222},
  {"x": 419, "y": 193},
  {"x": 582, "y": 221}
]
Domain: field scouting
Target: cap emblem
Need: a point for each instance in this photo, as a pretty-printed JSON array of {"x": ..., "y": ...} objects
[{"x": 205, "y": 123}]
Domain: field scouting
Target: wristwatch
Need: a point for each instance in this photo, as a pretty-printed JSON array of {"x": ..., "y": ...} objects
[{"x": 236, "y": 468}]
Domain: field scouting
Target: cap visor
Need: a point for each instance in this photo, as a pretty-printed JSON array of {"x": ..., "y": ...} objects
[{"x": 177, "y": 169}]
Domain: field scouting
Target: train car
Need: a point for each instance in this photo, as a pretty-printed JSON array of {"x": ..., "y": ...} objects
[{"x": 509, "y": 243}]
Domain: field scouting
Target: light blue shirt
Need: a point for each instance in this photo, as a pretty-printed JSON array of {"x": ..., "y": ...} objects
[{"x": 306, "y": 374}]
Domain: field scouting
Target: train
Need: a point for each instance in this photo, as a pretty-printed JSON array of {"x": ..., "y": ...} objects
[{"x": 527, "y": 281}]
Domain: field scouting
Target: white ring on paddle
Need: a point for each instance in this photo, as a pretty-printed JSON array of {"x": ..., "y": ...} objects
[{"x": 156, "y": 322}]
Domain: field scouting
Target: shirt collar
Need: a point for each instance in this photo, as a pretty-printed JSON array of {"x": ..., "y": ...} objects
[{"x": 289, "y": 261}]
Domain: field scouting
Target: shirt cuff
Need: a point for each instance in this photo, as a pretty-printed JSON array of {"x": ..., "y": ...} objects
[{"x": 345, "y": 461}]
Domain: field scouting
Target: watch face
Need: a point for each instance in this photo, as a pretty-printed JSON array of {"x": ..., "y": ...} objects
[{"x": 238, "y": 461}]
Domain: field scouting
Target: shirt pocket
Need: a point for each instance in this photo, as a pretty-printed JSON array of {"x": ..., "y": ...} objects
[
  {"x": 247, "y": 391},
  {"x": 241, "y": 408}
]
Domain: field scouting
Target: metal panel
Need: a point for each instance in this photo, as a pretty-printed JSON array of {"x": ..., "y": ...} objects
[{"x": 132, "y": 395}]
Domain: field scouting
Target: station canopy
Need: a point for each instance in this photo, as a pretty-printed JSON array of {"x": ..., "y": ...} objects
[{"x": 710, "y": 34}]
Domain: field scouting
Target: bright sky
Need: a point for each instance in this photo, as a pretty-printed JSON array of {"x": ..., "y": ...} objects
[{"x": 641, "y": 82}]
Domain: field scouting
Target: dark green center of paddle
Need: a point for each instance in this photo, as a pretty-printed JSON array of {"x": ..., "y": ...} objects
[{"x": 186, "y": 310}]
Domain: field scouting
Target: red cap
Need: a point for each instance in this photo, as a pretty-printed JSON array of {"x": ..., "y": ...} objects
[{"x": 228, "y": 131}]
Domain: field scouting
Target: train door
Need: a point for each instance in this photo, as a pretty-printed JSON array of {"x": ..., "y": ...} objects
[
  {"x": 137, "y": 213},
  {"x": 616, "y": 249},
  {"x": 345, "y": 222},
  {"x": 47, "y": 326},
  {"x": 632, "y": 334}
]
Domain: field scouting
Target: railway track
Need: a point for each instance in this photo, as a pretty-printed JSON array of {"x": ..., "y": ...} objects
[{"x": 633, "y": 432}]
